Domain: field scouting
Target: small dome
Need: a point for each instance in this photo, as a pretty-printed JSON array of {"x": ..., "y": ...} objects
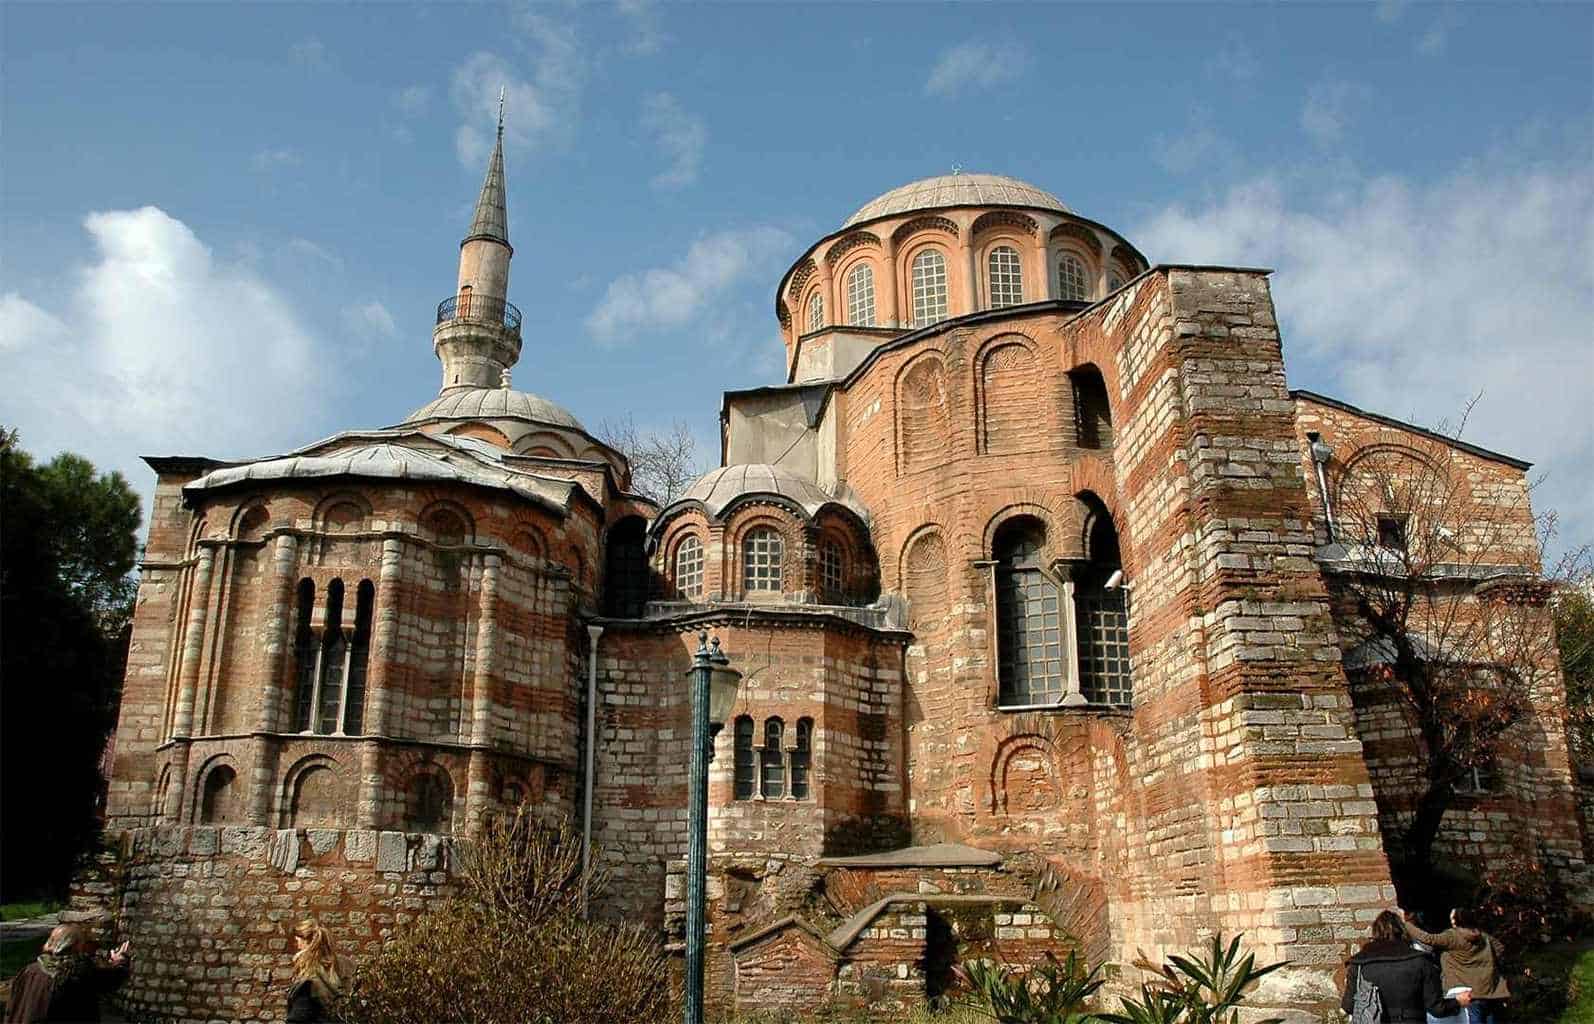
[
  {"x": 956, "y": 190},
  {"x": 723, "y": 487},
  {"x": 491, "y": 403}
]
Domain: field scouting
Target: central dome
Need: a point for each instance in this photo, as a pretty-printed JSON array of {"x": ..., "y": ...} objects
[
  {"x": 956, "y": 190},
  {"x": 489, "y": 403}
]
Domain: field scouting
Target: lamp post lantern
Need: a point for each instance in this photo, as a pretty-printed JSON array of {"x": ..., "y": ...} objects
[{"x": 713, "y": 695}]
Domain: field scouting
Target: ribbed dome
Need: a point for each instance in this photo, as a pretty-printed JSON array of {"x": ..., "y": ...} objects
[
  {"x": 719, "y": 489},
  {"x": 956, "y": 190},
  {"x": 488, "y": 403}
]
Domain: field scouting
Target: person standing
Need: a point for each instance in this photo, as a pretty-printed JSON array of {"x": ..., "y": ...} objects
[
  {"x": 66, "y": 982},
  {"x": 319, "y": 974},
  {"x": 1406, "y": 980},
  {"x": 1468, "y": 958}
]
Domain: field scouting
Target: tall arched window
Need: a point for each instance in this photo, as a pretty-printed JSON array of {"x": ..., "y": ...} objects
[
  {"x": 359, "y": 657},
  {"x": 816, "y": 311},
  {"x": 745, "y": 764},
  {"x": 1101, "y": 615},
  {"x": 305, "y": 651},
  {"x": 625, "y": 573},
  {"x": 860, "y": 296},
  {"x": 929, "y": 288},
  {"x": 1031, "y": 664},
  {"x": 832, "y": 572},
  {"x": 1073, "y": 280},
  {"x": 429, "y": 806},
  {"x": 1006, "y": 277},
  {"x": 802, "y": 758},
  {"x": 689, "y": 568},
  {"x": 334, "y": 662},
  {"x": 762, "y": 554},
  {"x": 772, "y": 778}
]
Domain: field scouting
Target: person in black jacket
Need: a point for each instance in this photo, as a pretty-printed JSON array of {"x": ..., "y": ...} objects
[{"x": 1407, "y": 979}]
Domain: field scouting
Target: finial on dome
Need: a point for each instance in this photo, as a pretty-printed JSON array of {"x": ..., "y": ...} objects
[
  {"x": 957, "y": 169},
  {"x": 503, "y": 379}
]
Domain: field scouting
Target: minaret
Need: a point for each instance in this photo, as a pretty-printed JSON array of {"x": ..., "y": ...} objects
[{"x": 477, "y": 337}]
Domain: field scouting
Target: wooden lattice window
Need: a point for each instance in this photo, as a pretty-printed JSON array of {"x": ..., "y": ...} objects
[
  {"x": 745, "y": 767},
  {"x": 772, "y": 777},
  {"x": 689, "y": 568},
  {"x": 763, "y": 553}
]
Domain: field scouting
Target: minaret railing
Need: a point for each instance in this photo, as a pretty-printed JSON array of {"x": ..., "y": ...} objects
[{"x": 479, "y": 309}]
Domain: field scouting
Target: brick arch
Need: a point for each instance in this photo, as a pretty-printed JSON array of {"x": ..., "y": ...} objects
[
  {"x": 1087, "y": 519},
  {"x": 1010, "y": 220},
  {"x": 859, "y": 568},
  {"x": 529, "y": 539},
  {"x": 219, "y": 796},
  {"x": 918, "y": 224},
  {"x": 447, "y": 522},
  {"x": 539, "y": 442},
  {"x": 1022, "y": 509},
  {"x": 340, "y": 512},
  {"x": 923, "y": 413},
  {"x": 794, "y": 547},
  {"x": 1078, "y": 234},
  {"x": 799, "y": 279},
  {"x": 250, "y": 519},
  {"x": 848, "y": 243},
  {"x": 1026, "y": 776},
  {"x": 481, "y": 432},
  {"x": 314, "y": 792},
  {"x": 670, "y": 550},
  {"x": 924, "y": 575},
  {"x": 1008, "y": 395}
]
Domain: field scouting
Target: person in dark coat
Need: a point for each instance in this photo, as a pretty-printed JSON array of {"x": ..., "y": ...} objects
[
  {"x": 1406, "y": 978},
  {"x": 66, "y": 982},
  {"x": 319, "y": 974}
]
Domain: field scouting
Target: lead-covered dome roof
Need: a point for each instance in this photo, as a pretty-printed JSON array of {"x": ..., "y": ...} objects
[
  {"x": 956, "y": 190},
  {"x": 492, "y": 403},
  {"x": 718, "y": 491}
]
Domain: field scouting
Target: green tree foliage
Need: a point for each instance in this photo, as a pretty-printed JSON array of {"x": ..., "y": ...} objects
[
  {"x": 512, "y": 948},
  {"x": 1574, "y": 633},
  {"x": 1055, "y": 992},
  {"x": 68, "y": 540}
]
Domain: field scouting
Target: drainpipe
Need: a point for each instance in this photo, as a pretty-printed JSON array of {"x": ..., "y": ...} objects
[
  {"x": 1321, "y": 453},
  {"x": 593, "y": 632}
]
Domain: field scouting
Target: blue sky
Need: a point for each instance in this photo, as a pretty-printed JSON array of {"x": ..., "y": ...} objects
[{"x": 226, "y": 226}]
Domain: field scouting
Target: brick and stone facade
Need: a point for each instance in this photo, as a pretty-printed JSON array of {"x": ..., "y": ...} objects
[{"x": 1036, "y": 633}]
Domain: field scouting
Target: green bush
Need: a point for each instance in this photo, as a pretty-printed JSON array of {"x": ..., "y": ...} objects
[
  {"x": 512, "y": 948},
  {"x": 1055, "y": 992}
]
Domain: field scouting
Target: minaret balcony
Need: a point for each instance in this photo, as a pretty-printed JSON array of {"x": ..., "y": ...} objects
[{"x": 481, "y": 309}]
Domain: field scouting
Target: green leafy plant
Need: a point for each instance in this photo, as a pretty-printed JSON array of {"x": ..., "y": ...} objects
[
  {"x": 1055, "y": 992},
  {"x": 1203, "y": 988}
]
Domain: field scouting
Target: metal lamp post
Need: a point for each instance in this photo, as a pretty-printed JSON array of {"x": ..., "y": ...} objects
[{"x": 713, "y": 696}]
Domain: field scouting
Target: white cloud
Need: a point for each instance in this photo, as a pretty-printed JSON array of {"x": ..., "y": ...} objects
[
  {"x": 679, "y": 134},
  {"x": 275, "y": 158},
  {"x": 540, "y": 109},
  {"x": 413, "y": 100},
  {"x": 642, "y": 18},
  {"x": 1330, "y": 106},
  {"x": 977, "y": 64},
  {"x": 665, "y": 297},
  {"x": 1234, "y": 59},
  {"x": 370, "y": 320},
  {"x": 1408, "y": 297},
  {"x": 1197, "y": 145},
  {"x": 310, "y": 52},
  {"x": 303, "y": 249},
  {"x": 159, "y": 348}
]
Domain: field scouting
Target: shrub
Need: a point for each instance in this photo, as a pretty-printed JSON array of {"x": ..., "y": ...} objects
[
  {"x": 1055, "y": 992},
  {"x": 1522, "y": 904},
  {"x": 512, "y": 948},
  {"x": 1195, "y": 989}
]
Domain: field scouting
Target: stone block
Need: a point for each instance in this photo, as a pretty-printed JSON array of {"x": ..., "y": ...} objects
[
  {"x": 322, "y": 840},
  {"x": 359, "y": 845},
  {"x": 392, "y": 852}
]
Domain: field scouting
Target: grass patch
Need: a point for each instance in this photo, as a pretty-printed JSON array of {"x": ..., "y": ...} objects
[
  {"x": 30, "y": 909},
  {"x": 16, "y": 953},
  {"x": 1555, "y": 984}
]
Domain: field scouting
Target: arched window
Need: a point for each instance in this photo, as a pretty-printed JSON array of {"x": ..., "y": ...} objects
[
  {"x": 359, "y": 657},
  {"x": 1092, "y": 412},
  {"x": 1006, "y": 277},
  {"x": 802, "y": 759},
  {"x": 305, "y": 651},
  {"x": 334, "y": 662},
  {"x": 317, "y": 798},
  {"x": 430, "y": 803},
  {"x": 929, "y": 288},
  {"x": 832, "y": 572},
  {"x": 1101, "y": 616},
  {"x": 860, "y": 296},
  {"x": 1073, "y": 280},
  {"x": 762, "y": 554},
  {"x": 689, "y": 568},
  {"x": 772, "y": 780},
  {"x": 625, "y": 575},
  {"x": 746, "y": 765},
  {"x": 1031, "y": 666},
  {"x": 219, "y": 805},
  {"x": 816, "y": 311}
]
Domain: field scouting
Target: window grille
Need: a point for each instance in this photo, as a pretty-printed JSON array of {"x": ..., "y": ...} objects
[
  {"x": 304, "y": 658},
  {"x": 1072, "y": 279},
  {"x": 762, "y": 552},
  {"x": 1006, "y": 277},
  {"x": 1103, "y": 647},
  {"x": 929, "y": 288},
  {"x": 816, "y": 311},
  {"x": 772, "y": 782},
  {"x": 860, "y": 296},
  {"x": 832, "y": 578},
  {"x": 1031, "y": 663},
  {"x": 359, "y": 657},
  {"x": 745, "y": 766},
  {"x": 689, "y": 568},
  {"x": 802, "y": 759}
]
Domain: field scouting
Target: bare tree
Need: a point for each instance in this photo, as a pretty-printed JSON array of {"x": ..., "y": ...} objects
[
  {"x": 1439, "y": 565},
  {"x": 664, "y": 463}
]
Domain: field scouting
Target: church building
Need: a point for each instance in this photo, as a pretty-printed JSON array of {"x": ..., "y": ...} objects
[{"x": 1028, "y": 566}]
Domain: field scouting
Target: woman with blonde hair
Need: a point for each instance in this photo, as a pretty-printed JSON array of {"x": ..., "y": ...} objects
[{"x": 319, "y": 974}]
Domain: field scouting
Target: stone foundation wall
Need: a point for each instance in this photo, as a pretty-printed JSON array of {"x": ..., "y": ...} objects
[{"x": 210, "y": 910}]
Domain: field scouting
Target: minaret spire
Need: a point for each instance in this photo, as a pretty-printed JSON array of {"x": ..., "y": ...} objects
[{"x": 491, "y": 221}]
